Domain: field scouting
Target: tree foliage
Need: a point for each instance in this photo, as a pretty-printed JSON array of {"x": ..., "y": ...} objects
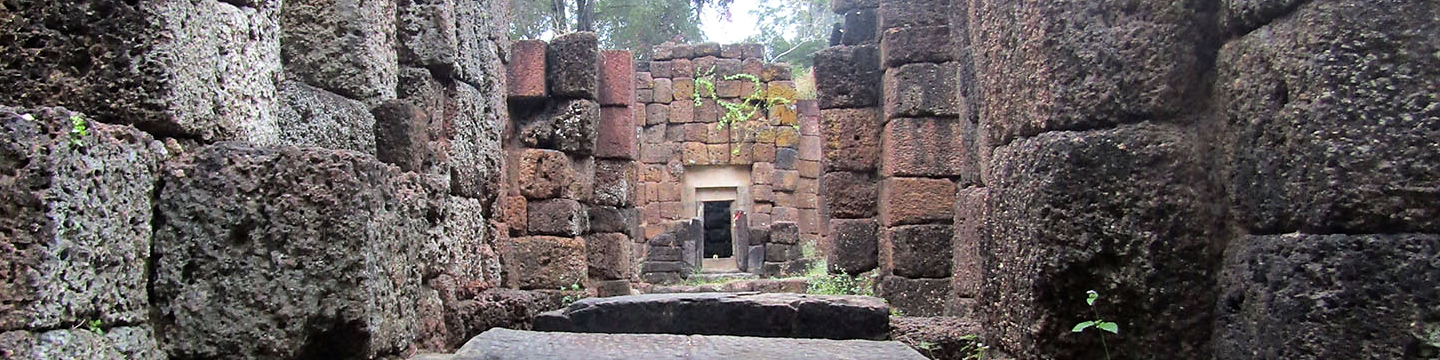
[
  {"x": 637, "y": 25},
  {"x": 793, "y": 30}
]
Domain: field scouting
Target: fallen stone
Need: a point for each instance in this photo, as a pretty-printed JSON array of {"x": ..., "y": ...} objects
[
  {"x": 740, "y": 314},
  {"x": 505, "y": 344}
]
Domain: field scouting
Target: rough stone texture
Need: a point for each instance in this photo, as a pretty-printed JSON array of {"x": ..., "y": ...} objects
[
  {"x": 915, "y": 297},
  {"x": 362, "y": 63},
  {"x": 916, "y": 201},
  {"x": 526, "y": 71},
  {"x": 139, "y": 63},
  {"x": 861, "y": 27},
  {"x": 849, "y": 195},
  {"x": 569, "y": 126},
  {"x": 741, "y": 314},
  {"x": 608, "y": 256},
  {"x": 466, "y": 315},
  {"x": 617, "y": 78},
  {"x": 402, "y": 136},
  {"x": 841, "y": 6},
  {"x": 617, "y": 137},
  {"x": 1064, "y": 70},
  {"x": 113, "y": 343},
  {"x": 572, "y": 63},
  {"x": 1326, "y": 296},
  {"x": 908, "y": 45},
  {"x": 605, "y": 219},
  {"x": 614, "y": 183},
  {"x": 785, "y": 232},
  {"x": 939, "y": 337},
  {"x": 1243, "y": 16},
  {"x": 505, "y": 344},
  {"x": 928, "y": 147},
  {"x": 851, "y": 138},
  {"x": 924, "y": 89},
  {"x": 911, "y": 13},
  {"x": 967, "y": 265},
  {"x": 917, "y": 251},
  {"x": 846, "y": 76},
  {"x": 1124, "y": 212},
  {"x": 331, "y": 266},
  {"x": 309, "y": 116},
  {"x": 853, "y": 246},
  {"x": 547, "y": 262},
  {"x": 76, "y": 220},
  {"x": 1332, "y": 120},
  {"x": 559, "y": 217},
  {"x": 462, "y": 247},
  {"x": 472, "y": 153},
  {"x": 543, "y": 174}
]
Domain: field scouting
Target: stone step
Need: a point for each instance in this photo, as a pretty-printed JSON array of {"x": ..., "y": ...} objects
[
  {"x": 505, "y": 344},
  {"x": 789, "y": 285},
  {"x": 738, "y": 314}
]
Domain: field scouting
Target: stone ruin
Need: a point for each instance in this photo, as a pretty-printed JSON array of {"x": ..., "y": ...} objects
[{"x": 320, "y": 179}]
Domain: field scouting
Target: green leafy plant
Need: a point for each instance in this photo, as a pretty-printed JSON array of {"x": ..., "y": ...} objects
[
  {"x": 975, "y": 350},
  {"x": 1098, "y": 323},
  {"x": 573, "y": 293},
  {"x": 822, "y": 282},
  {"x": 94, "y": 326},
  {"x": 928, "y": 348},
  {"x": 78, "y": 130},
  {"x": 744, "y": 109}
]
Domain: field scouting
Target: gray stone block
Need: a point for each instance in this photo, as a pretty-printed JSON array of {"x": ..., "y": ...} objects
[{"x": 309, "y": 116}]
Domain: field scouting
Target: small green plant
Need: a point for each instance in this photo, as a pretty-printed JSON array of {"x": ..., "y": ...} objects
[
  {"x": 92, "y": 325},
  {"x": 928, "y": 348},
  {"x": 744, "y": 109},
  {"x": 78, "y": 130},
  {"x": 572, "y": 294},
  {"x": 975, "y": 350},
  {"x": 1098, "y": 323}
]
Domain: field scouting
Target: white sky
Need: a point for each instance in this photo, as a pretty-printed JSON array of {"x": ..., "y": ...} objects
[{"x": 740, "y": 26}]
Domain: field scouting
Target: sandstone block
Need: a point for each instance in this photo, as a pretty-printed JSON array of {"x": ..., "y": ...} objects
[
  {"x": 762, "y": 173},
  {"x": 401, "y": 135},
  {"x": 845, "y": 76},
  {"x": 568, "y": 125},
  {"x": 615, "y": 182},
  {"x": 548, "y": 262},
  {"x": 786, "y": 158},
  {"x": 851, "y": 138},
  {"x": 923, "y": 89},
  {"x": 775, "y": 72},
  {"x": 966, "y": 267},
  {"x": 558, "y": 217},
  {"x": 917, "y": 251},
  {"x": 850, "y": 195},
  {"x": 573, "y": 64},
  {"x": 908, "y": 45},
  {"x": 526, "y": 71},
  {"x": 928, "y": 147},
  {"x": 660, "y": 69},
  {"x": 786, "y": 180},
  {"x": 609, "y": 219},
  {"x": 664, "y": 91},
  {"x": 608, "y": 255},
  {"x": 784, "y": 232},
  {"x": 616, "y": 137},
  {"x": 914, "y": 297},
  {"x": 617, "y": 78},
  {"x": 916, "y": 201},
  {"x": 862, "y": 27},
  {"x": 854, "y": 246},
  {"x": 911, "y": 13},
  {"x": 543, "y": 174},
  {"x": 682, "y": 111}
]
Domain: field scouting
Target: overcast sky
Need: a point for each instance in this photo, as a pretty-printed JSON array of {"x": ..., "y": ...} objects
[{"x": 740, "y": 26}]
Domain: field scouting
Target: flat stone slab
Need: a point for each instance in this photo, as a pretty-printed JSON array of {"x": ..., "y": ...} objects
[
  {"x": 737, "y": 314},
  {"x": 502, "y": 344}
]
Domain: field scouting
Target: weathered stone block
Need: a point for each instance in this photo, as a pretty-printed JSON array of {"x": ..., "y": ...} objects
[
  {"x": 682, "y": 111},
  {"x": 543, "y": 174},
  {"x": 1064, "y": 71},
  {"x": 657, "y": 114},
  {"x": 1139, "y": 230},
  {"x": 784, "y": 232},
  {"x": 71, "y": 203},
  {"x": 568, "y": 126},
  {"x": 559, "y": 217},
  {"x": 908, "y": 45},
  {"x": 861, "y": 27},
  {"x": 362, "y": 65},
  {"x": 1324, "y": 146},
  {"x": 811, "y": 150},
  {"x": 763, "y": 153},
  {"x": 1322, "y": 296},
  {"x": 785, "y": 158},
  {"x": 719, "y": 154},
  {"x": 614, "y": 183},
  {"x": 525, "y": 74},
  {"x": 923, "y": 89},
  {"x": 401, "y": 135},
  {"x": 682, "y": 69},
  {"x": 122, "y": 342},
  {"x": 142, "y": 64},
  {"x": 775, "y": 72},
  {"x": 841, "y": 6},
  {"x": 854, "y": 246},
  {"x": 617, "y": 78},
  {"x": 573, "y": 64},
  {"x": 916, "y": 201},
  {"x": 775, "y": 252},
  {"x": 660, "y": 153},
  {"x": 928, "y": 147},
  {"x": 917, "y": 251},
  {"x": 966, "y": 268},
  {"x": 309, "y": 116},
  {"x": 786, "y": 137},
  {"x": 915, "y": 297},
  {"x": 472, "y": 147},
  {"x": 786, "y": 180},
  {"x": 912, "y": 13},
  {"x": 664, "y": 91},
  {"x": 617, "y": 138},
  {"x": 608, "y": 255},
  {"x": 660, "y": 69},
  {"x": 223, "y": 204},
  {"x": 845, "y": 76},
  {"x": 548, "y": 262},
  {"x": 609, "y": 219},
  {"x": 851, "y": 138},
  {"x": 850, "y": 195}
]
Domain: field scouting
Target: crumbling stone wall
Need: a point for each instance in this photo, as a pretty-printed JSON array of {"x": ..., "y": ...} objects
[
  {"x": 254, "y": 180},
  {"x": 1223, "y": 173},
  {"x": 570, "y": 203},
  {"x": 779, "y": 147}
]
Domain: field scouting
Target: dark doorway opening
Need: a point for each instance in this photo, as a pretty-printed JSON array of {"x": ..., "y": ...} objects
[{"x": 717, "y": 229}]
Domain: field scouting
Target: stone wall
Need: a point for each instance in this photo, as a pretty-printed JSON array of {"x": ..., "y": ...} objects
[
  {"x": 1222, "y": 173},
  {"x": 775, "y": 143},
  {"x": 573, "y": 148},
  {"x": 250, "y": 180}
]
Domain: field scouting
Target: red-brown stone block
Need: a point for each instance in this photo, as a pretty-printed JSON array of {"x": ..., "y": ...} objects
[
  {"x": 682, "y": 69},
  {"x": 547, "y": 262},
  {"x": 664, "y": 91},
  {"x": 927, "y": 147},
  {"x": 851, "y": 138},
  {"x": 715, "y": 134},
  {"x": 811, "y": 148},
  {"x": 786, "y": 180},
  {"x": 617, "y": 138},
  {"x": 741, "y": 153},
  {"x": 684, "y": 88},
  {"x": 917, "y": 251},
  {"x": 617, "y": 77},
  {"x": 719, "y": 153},
  {"x": 543, "y": 174},
  {"x": 708, "y": 111},
  {"x": 850, "y": 195},
  {"x": 762, "y": 173},
  {"x": 916, "y": 201},
  {"x": 918, "y": 44},
  {"x": 525, "y": 74},
  {"x": 513, "y": 208},
  {"x": 847, "y": 76},
  {"x": 559, "y": 217},
  {"x": 969, "y": 219},
  {"x": 659, "y": 153},
  {"x": 608, "y": 255},
  {"x": 682, "y": 111},
  {"x": 808, "y": 169},
  {"x": 775, "y": 72},
  {"x": 695, "y": 153},
  {"x": 922, "y": 89},
  {"x": 660, "y": 69},
  {"x": 657, "y": 114},
  {"x": 760, "y": 193}
]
